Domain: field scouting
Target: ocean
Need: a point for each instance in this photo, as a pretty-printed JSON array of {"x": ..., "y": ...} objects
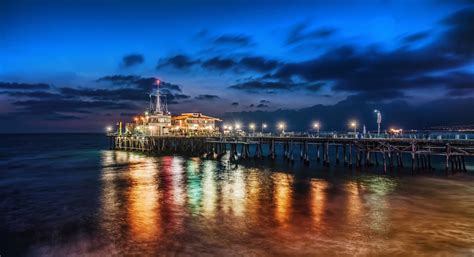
[{"x": 69, "y": 195}]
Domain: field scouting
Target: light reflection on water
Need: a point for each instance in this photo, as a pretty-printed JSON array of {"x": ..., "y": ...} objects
[{"x": 178, "y": 206}]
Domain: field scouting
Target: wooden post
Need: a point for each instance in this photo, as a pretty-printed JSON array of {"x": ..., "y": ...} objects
[
  {"x": 350, "y": 154},
  {"x": 318, "y": 156},
  {"x": 344, "y": 146},
  {"x": 447, "y": 157},
  {"x": 463, "y": 164}
]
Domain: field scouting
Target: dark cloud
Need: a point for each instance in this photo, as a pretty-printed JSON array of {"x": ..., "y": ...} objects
[
  {"x": 69, "y": 105},
  {"x": 144, "y": 83},
  {"x": 207, "y": 97},
  {"x": 264, "y": 101},
  {"x": 275, "y": 85},
  {"x": 132, "y": 60},
  {"x": 106, "y": 94},
  {"x": 315, "y": 87},
  {"x": 301, "y": 32},
  {"x": 221, "y": 63},
  {"x": 240, "y": 40},
  {"x": 258, "y": 64},
  {"x": 459, "y": 37},
  {"x": 31, "y": 94},
  {"x": 23, "y": 86},
  {"x": 180, "y": 62},
  {"x": 362, "y": 70},
  {"x": 263, "y": 86},
  {"x": 218, "y": 63},
  {"x": 235, "y": 104},
  {"x": 262, "y": 105},
  {"x": 412, "y": 38}
]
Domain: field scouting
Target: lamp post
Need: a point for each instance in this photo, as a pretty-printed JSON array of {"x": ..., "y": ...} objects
[
  {"x": 379, "y": 120},
  {"x": 264, "y": 126},
  {"x": 281, "y": 126},
  {"x": 252, "y": 127},
  {"x": 316, "y": 126},
  {"x": 354, "y": 125}
]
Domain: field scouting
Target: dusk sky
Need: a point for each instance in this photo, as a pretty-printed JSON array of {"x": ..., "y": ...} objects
[{"x": 78, "y": 66}]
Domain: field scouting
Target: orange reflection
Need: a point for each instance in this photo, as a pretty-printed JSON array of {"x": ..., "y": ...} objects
[
  {"x": 253, "y": 205},
  {"x": 143, "y": 201},
  {"x": 282, "y": 197},
  {"x": 354, "y": 202},
  {"x": 318, "y": 200}
]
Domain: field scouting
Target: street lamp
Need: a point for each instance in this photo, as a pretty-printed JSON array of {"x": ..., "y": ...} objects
[
  {"x": 379, "y": 120},
  {"x": 354, "y": 125},
  {"x": 237, "y": 126},
  {"x": 316, "y": 126},
  {"x": 252, "y": 127},
  {"x": 281, "y": 126},
  {"x": 264, "y": 126},
  {"x": 109, "y": 128}
]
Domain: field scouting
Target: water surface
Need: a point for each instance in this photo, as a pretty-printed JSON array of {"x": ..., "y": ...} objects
[{"x": 73, "y": 198}]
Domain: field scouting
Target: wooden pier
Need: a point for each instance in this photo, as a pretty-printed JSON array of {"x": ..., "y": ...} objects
[{"x": 351, "y": 152}]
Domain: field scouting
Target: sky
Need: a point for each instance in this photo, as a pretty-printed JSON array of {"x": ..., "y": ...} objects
[{"x": 79, "y": 66}]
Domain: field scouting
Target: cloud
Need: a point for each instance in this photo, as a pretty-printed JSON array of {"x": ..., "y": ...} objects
[
  {"x": 416, "y": 37},
  {"x": 144, "y": 83},
  {"x": 258, "y": 63},
  {"x": 262, "y": 85},
  {"x": 355, "y": 69},
  {"x": 218, "y": 63},
  {"x": 229, "y": 39},
  {"x": 262, "y": 105},
  {"x": 207, "y": 97},
  {"x": 180, "y": 62},
  {"x": 63, "y": 109},
  {"x": 132, "y": 60},
  {"x": 301, "y": 32},
  {"x": 235, "y": 104},
  {"x": 31, "y": 94},
  {"x": 264, "y": 101},
  {"x": 23, "y": 86}
]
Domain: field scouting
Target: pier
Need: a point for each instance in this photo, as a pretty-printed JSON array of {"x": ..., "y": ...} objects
[{"x": 413, "y": 153}]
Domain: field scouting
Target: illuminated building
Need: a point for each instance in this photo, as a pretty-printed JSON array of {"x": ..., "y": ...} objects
[{"x": 194, "y": 123}]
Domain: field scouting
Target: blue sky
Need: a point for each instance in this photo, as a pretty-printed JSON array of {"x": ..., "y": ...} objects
[{"x": 240, "y": 57}]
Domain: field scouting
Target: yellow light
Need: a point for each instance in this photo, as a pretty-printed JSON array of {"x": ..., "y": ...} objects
[
  {"x": 316, "y": 125},
  {"x": 281, "y": 125},
  {"x": 252, "y": 126},
  {"x": 109, "y": 128},
  {"x": 237, "y": 126},
  {"x": 353, "y": 124}
]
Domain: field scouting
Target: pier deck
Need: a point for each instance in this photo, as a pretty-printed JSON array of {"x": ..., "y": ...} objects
[{"x": 353, "y": 151}]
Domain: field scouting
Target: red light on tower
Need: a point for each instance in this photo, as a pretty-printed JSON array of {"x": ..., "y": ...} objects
[{"x": 157, "y": 82}]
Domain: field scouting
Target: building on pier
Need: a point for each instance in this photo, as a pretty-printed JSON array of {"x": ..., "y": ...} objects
[
  {"x": 194, "y": 123},
  {"x": 156, "y": 121}
]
